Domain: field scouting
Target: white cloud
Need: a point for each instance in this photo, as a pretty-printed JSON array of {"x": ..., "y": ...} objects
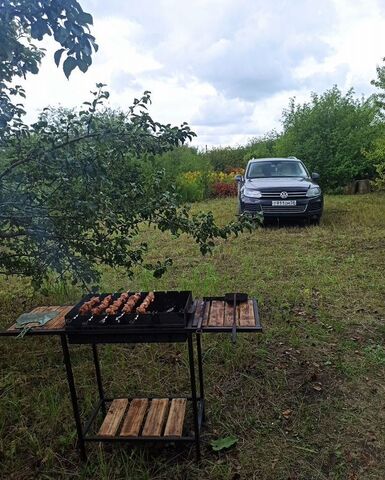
[{"x": 226, "y": 67}]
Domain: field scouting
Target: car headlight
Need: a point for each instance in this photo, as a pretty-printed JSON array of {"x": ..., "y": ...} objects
[
  {"x": 313, "y": 192},
  {"x": 248, "y": 192}
]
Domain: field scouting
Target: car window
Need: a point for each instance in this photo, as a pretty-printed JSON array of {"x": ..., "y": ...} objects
[{"x": 276, "y": 169}]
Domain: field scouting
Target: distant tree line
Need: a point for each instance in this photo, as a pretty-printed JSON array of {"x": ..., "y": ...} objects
[{"x": 336, "y": 134}]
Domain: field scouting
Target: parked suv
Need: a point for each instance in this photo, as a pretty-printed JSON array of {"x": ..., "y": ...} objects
[{"x": 280, "y": 187}]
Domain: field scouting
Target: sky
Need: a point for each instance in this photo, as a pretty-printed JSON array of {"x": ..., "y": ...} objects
[{"x": 227, "y": 67}]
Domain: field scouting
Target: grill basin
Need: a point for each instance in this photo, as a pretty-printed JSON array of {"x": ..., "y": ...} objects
[{"x": 168, "y": 310}]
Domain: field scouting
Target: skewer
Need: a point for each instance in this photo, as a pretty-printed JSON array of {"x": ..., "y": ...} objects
[
  {"x": 100, "y": 308},
  {"x": 129, "y": 305},
  {"x": 86, "y": 306},
  {"x": 150, "y": 297},
  {"x": 117, "y": 304}
]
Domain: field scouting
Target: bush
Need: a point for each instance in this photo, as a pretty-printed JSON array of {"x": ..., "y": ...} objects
[
  {"x": 221, "y": 189},
  {"x": 225, "y": 159},
  {"x": 377, "y": 156},
  {"x": 330, "y": 134},
  {"x": 198, "y": 185},
  {"x": 191, "y": 186}
]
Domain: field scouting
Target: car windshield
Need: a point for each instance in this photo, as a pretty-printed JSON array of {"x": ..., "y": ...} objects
[{"x": 276, "y": 168}]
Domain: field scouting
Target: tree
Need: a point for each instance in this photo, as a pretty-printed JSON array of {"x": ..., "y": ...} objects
[
  {"x": 74, "y": 192},
  {"x": 377, "y": 154},
  {"x": 21, "y": 22},
  {"x": 330, "y": 133},
  {"x": 263, "y": 146},
  {"x": 379, "y": 82}
]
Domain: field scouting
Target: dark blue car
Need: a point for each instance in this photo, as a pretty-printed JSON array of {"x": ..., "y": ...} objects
[{"x": 280, "y": 187}]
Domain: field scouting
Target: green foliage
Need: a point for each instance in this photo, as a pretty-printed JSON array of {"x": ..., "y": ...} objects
[
  {"x": 379, "y": 82},
  {"x": 225, "y": 159},
  {"x": 262, "y": 147},
  {"x": 330, "y": 134},
  {"x": 192, "y": 186},
  {"x": 180, "y": 160},
  {"x": 73, "y": 193},
  {"x": 21, "y": 22},
  {"x": 377, "y": 157}
]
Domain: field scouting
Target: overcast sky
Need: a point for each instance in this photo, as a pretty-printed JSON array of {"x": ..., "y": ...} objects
[{"x": 228, "y": 67}]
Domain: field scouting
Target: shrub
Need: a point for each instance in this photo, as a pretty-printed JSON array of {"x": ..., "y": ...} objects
[
  {"x": 191, "y": 186},
  {"x": 221, "y": 189}
]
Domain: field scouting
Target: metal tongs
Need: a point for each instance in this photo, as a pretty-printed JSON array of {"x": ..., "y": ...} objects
[{"x": 235, "y": 299}]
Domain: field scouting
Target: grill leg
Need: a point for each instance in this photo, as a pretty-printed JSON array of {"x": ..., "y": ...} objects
[
  {"x": 200, "y": 372},
  {"x": 74, "y": 399},
  {"x": 194, "y": 397},
  {"x": 98, "y": 377}
]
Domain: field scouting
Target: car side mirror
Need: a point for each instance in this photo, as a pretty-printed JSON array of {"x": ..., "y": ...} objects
[
  {"x": 315, "y": 176},
  {"x": 238, "y": 178}
]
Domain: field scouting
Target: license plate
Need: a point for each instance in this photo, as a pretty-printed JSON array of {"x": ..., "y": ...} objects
[{"x": 283, "y": 203}]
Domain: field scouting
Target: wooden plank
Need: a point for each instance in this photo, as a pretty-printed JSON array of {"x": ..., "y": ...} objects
[
  {"x": 198, "y": 313},
  {"x": 113, "y": 418},
  {"x": 246, "y": 317},
  {"x": 59, "y": 321},
  {"x": 40, "y": 309},
  {"x": 229, "y": 317},
  {"x": 134, "y": 417},
  {"x": 174, "y": 425},
  {"x": 217, "y": 313},
  {"x": 155, "y": 418},
  {"x": 206, "y": 316}
]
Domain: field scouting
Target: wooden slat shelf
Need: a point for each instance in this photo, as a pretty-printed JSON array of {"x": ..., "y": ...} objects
[
  {"x": 145, "y": 418},
  {"x": 217, "y": 315}
]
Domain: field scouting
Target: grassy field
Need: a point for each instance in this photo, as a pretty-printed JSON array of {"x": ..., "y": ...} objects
[{"x": 305, "y": 399}]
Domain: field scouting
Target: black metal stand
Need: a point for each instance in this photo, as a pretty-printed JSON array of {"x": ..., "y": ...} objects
[
  {"x": 98, "y": 377},
  {"x": 197, "y": 401},
  {"x": 198, "y": 324},
  {"x": 74, "y": 398}
]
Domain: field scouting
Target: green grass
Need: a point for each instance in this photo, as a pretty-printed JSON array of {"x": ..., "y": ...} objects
[{"x": 322, "y": 298}]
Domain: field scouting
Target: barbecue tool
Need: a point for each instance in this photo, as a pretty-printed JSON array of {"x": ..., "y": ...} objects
[{"x": 235, "y": 299}]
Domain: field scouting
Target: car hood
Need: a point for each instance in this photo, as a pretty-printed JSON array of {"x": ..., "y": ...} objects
[{"x": 279, "y": 182}]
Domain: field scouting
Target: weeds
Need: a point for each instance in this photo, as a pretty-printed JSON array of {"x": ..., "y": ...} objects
[{"x": 305, "y": 399}]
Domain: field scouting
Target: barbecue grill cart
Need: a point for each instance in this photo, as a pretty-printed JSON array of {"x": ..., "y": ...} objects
[{"x": 173, "y": 317}]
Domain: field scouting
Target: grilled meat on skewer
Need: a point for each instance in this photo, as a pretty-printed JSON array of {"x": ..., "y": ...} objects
[
  {"x": 146, "y": 303},
  {"x": 117, "y": 305},
  {"x": 103, "y": 305},
  {"x": 131, "y": 302},
  {"x": 87, "y": 306}
]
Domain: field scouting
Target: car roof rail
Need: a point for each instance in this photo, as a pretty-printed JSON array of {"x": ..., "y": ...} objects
[{"x": 293, "y": 157}]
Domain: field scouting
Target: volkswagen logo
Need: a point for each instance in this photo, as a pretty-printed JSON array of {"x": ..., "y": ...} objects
[{"x": 284, "y": 195}]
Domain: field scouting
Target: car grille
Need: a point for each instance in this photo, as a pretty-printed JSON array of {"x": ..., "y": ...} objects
[
  {"x": 284, "y": 209},
  {"x": 277, "y": 193}
]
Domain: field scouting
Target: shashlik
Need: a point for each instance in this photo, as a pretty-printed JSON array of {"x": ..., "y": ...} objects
[
  {"x": 117, "y": 305},
  {"x": 99, "y": 309},
  {"x": 87, "y": 306},
  {"x": 124, "y": 304},
  {"x": 146, "y": 303},
  {"x": 131, "y": 302}
]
